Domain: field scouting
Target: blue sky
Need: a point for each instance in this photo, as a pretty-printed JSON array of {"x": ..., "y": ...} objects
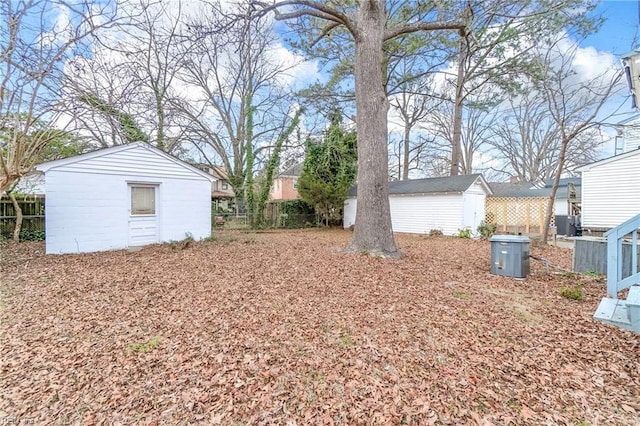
[{"x": 618, "y": 32}]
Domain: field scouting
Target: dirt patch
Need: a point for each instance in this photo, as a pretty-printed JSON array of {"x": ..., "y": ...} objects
[{"x": 277, "y": 328}]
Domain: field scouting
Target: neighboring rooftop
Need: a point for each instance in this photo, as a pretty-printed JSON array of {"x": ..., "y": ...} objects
[
  {"x": 528, "y": 190},
  {"x": 295, "y": 170},
  {"x": 429, "y": 185}
]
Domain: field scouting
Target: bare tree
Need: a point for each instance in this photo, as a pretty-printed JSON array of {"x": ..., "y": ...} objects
[
  {"x": 101, "y": 94},
  {"x": 38, "y": 39},
  {"x": 495, "y": 46},
  {"x": 526, "y": 139},
  {"x": 412, "y": 104},
  {"x": 370, "y": 24},
  {"x": 476, "y": 122},
  {"x": 227, "y": 73},
  {"x": 574, "y": 103},
  {"x": 124, "y": 92}
]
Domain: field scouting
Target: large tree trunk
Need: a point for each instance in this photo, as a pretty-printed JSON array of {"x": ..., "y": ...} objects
[
  {"x": 18, "y": 227},
  {"x": 373, "y": 233}
]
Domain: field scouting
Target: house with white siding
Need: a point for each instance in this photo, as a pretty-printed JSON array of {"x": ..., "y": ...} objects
[
  {"x": 124, "y": 196},
  {"x": 447, "y": 204},
  {"x": 629, "y": 130},
  {"x": 610, "y": 191}
]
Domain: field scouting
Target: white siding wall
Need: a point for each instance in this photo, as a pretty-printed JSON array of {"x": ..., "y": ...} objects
[
  {"x": 419, "y": 214},
  {"x": 611, "y": 193},
  {"x": 88, "y": 210},
  {"x": 561, "y": 207},
  {"x": 349, "y": 214}
]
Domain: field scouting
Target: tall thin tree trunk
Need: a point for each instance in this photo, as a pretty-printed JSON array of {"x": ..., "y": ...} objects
[
  {"x": 160, "y": 111},
  {"x": 372, "y": 213},
  {"x": 457, "y": 113},
  {"x": 554, "y": 188},
  {"x": 19, "y": 217},
  {"x": 405, "y": 154}
]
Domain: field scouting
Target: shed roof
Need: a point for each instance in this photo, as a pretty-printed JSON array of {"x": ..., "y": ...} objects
[
  {"x": 45, "y": 167},
  {"x": 455, "y": 184}
]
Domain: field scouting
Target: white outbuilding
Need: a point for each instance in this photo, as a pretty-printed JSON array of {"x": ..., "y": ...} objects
[
  {"x": 418, "y": 206},
  {"x": 610, "y": 191},
  {"x": 124, "y": 196}
]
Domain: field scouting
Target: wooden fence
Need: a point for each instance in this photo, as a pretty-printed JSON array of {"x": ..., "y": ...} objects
[
  {"x": 517, "y": 215},
  {"x": 33, "y": 216},
  {"x": 275, "y": 216}
]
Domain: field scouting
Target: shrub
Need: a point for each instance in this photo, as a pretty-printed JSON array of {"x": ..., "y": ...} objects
[
  {"x": 486, "y": 230},
  {"x": 464, "y": 233},
  {"x": 31, "y": 235},
  {"x": 182, "y": 244},
  {"x": 573, "y": 293},
  {"x": 435, "y": 233}
]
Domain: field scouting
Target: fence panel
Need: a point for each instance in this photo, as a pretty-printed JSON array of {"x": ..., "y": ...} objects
[
  {"x": 32, "y": 220},
  {"x": 517, "y": 214}
]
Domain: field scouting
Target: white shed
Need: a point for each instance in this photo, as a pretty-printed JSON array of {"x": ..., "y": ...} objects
[
  {"x": 610, "y": 191},
  {"x": 125, "y": 196},
  {"x": 418, "y": 206}
]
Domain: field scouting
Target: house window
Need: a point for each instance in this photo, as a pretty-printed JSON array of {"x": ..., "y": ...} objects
[
  {"x": 225, "y": 185},
  {"x": 143, "y": 200}
]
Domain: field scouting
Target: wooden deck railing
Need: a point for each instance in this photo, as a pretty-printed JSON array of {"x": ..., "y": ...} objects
[
  {"x": 615, "y": 279},
  {"x": 622, "y": 313}
]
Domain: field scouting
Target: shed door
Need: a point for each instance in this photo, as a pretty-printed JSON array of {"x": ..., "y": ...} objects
[
  {"x": 473, "y": 212},
  {"x": 143, "y": 215}
]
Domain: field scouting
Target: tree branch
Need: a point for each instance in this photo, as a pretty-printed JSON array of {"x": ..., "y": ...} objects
[
  {"x": 422, "y": 26},
  {"x": 311, "y": 8}
]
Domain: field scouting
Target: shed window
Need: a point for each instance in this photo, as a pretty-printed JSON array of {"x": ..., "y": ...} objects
[{"x": 143, "y": 200}]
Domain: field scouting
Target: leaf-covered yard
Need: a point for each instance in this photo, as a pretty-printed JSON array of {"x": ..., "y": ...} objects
[{"x": 285, "y": 328}]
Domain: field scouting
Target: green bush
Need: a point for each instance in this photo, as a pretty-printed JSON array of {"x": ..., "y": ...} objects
[
  {"x": 464, "y": 233},
  {"x": 31, "y": 235},
  {"x": 297, "y": 214},
  {"x": 486, "y": 230}
]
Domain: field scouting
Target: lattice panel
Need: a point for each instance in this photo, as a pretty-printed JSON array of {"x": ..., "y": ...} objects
[{"x": 517, "y": 214}]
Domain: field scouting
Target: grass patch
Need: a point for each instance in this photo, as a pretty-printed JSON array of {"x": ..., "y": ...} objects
[
  {"x": 460, "y": 294},
  {"x": 148, "y": 346},
  {"x": 347, "y": 341},
  {"x": 598, "y": 277},
  {"x": 573, "y": 293}
]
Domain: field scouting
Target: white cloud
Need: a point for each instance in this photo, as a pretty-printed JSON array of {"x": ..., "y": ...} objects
[{"x": 301, "y": 72}]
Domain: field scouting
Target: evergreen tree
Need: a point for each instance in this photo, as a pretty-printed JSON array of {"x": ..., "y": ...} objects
[{"x": 329, "y": 170}]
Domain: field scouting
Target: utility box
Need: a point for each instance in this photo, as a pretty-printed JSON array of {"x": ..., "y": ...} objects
[{"x": 510, "y": 255}]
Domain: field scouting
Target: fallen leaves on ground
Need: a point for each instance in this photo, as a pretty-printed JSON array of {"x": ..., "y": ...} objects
[{"x": 285, "y": 328}]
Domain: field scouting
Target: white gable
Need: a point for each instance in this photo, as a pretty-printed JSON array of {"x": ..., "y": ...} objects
[{"x": 134, "y": 159}]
